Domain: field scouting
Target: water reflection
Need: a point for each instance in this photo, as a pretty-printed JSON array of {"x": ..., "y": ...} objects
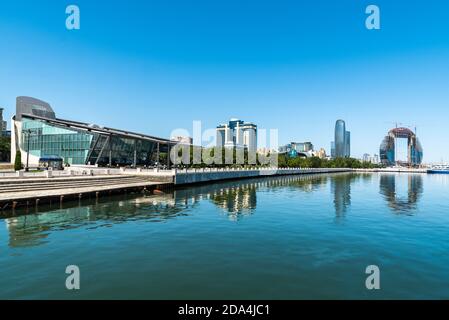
[
  {"x": 402, "y": 192},
  {"x": 235, "y": 199},
  {"x": 33, "y": 229},
  {"x": 239, "y": 198},
  {"x": 341, "y": 188}
]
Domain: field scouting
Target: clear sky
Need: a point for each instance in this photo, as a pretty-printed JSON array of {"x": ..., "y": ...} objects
[{"x": 154, "y": 66}]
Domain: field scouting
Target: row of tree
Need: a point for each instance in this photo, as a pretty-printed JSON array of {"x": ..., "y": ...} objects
[
  {"x": 5, "y": 149},
  {"x": 315, "y": 162},
  {"x": 245, "y": 160},
  {"x": 242, "y": 158}
]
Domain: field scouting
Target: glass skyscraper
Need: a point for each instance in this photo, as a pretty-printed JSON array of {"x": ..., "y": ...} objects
[{"x": 341, "y": 146}]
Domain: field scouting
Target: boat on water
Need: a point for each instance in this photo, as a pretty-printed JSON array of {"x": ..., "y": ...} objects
[{"x": 444, "y": 169}]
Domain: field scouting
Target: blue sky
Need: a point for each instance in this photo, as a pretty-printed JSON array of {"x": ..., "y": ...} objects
[{"x": 297, "y": 66}]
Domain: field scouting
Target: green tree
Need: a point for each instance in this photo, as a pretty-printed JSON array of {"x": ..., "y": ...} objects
[
  {"x": 282, "y": 160},
  {"x": 18, "y": 161},
  {"x": 315, "y": 162},
  {"x": 5, "y": 148}
]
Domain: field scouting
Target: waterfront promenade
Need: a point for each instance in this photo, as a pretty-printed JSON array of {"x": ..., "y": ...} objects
[{"x": 31, "y": 188}]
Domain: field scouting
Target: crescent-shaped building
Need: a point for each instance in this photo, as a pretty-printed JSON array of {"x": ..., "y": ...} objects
[{"x": 389, "y": 153}]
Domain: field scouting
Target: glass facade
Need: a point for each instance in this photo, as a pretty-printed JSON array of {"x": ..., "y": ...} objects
[
  {"x": 87, "y": 147},
  {"x": 302, "y": 146},
  {"x": 386, "y": 151},
  {"x": 342, "y": 142},
  {"x": 46, "y": 140},
  {"x": 416, "y": 152},
  {"x": 347, "y": 144}
]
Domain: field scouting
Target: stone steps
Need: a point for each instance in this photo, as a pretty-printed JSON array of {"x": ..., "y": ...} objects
[
  {"x": 65, "y": 184},
  {"x": 32, "y": 180}
]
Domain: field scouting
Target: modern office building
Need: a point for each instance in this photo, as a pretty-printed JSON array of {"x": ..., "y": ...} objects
[
  {"x": 237, "y": 133},
  {"x": 3, "y": 124},
  {"x": 38, "y": 132},
  {"x": 401, "y": 147},
  {"x": 295, "y": 149},
  {"x": 341, "y": 146}
]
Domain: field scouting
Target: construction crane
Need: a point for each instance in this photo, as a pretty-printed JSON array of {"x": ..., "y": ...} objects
[
  {"x": 395, "y": 123},
  {"x": 413, "y": 127}
]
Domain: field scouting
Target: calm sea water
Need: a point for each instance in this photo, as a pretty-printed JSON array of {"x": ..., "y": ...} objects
[{"x": 291, "y": 237}]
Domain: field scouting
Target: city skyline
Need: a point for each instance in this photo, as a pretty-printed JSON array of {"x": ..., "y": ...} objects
[
  {"x": 277, "y": 66},
  {"x": 238, "y": 133}
]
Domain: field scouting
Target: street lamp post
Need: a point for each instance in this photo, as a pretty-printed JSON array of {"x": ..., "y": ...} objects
[{"x": 28, "y": 149}]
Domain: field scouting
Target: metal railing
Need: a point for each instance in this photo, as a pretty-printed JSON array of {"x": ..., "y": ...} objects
[
  {"x": 261, "y": 169},
  {"x": 85, "y": 171}
]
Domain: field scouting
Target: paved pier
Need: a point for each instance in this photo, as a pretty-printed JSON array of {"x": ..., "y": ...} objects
[
  {"x": 32, "y": 191},
  {"x": 19, "y": 188}
]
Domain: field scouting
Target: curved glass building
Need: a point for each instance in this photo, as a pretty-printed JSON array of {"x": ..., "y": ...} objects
[
  {"x": 341, "y": 146},
  {"x": 390, "y": 154},
  {"x": 38, "y": 133}
]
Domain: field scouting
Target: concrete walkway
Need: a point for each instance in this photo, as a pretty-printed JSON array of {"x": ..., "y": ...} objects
[{"x": 28, "y": 191}]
